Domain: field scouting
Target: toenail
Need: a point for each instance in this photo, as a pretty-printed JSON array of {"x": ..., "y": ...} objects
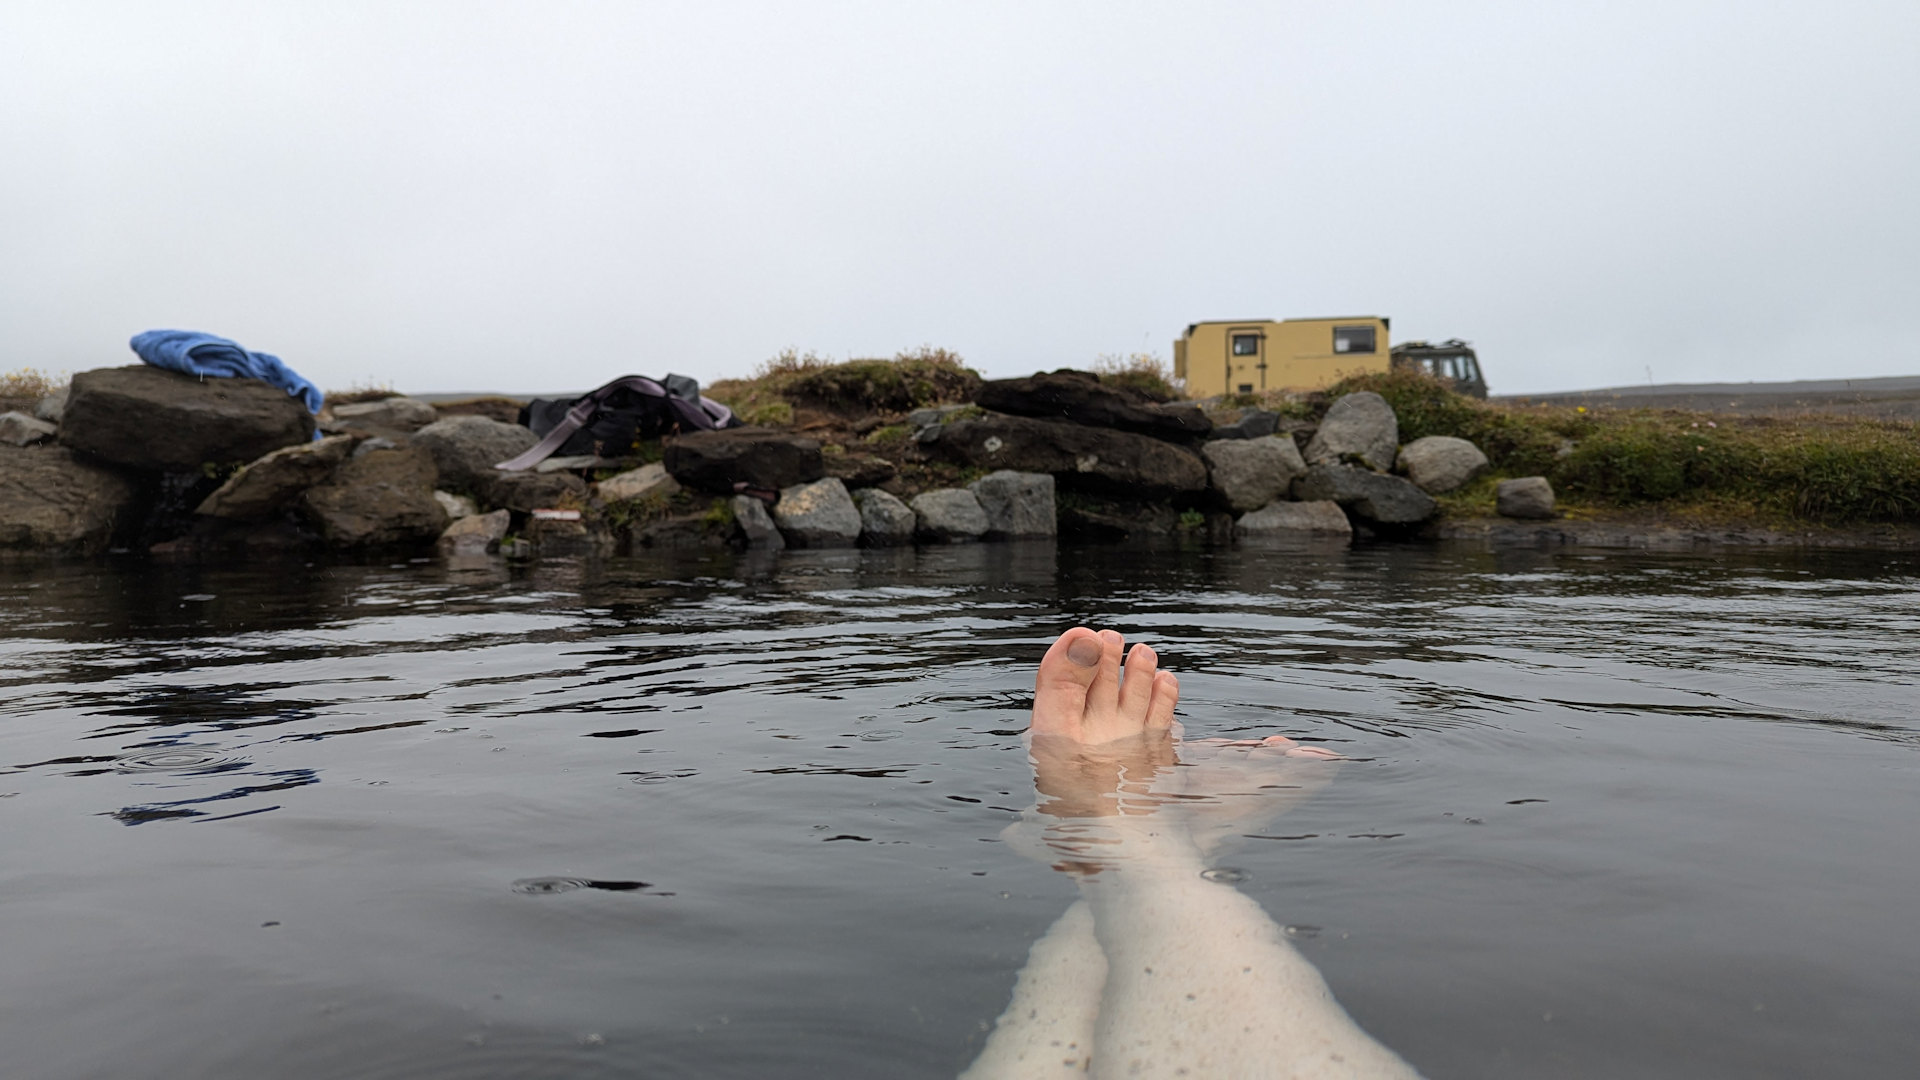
[{"x": 1085, "y": 652}]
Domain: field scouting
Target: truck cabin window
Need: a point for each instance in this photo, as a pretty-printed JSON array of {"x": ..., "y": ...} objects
[
  {"x": 1246, "y": 344},
  {"x": 1353, "y": 339}
]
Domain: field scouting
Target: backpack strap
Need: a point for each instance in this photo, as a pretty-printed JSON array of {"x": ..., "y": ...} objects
[{"x": 704, "y": 415}]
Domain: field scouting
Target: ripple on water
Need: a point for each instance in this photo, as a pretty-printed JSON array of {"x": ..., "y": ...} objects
[
  {"x": 177, "y": 759},
  {"x": 547, "y": 886}
]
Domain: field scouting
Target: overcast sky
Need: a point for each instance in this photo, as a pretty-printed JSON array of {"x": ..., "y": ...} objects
[{"x": 541, "y": 196}]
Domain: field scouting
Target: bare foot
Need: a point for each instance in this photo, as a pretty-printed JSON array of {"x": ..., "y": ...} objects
[{"x": 1083, "y": 694}]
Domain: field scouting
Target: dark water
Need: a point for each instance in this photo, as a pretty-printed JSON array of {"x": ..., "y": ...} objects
[{"x": 1611, "y": 815}]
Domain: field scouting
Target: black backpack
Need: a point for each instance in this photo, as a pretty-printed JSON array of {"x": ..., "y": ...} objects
[{"x": 612, "y": 421}]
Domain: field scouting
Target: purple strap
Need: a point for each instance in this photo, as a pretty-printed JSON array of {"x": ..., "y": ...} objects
[{"x": 705, "y": 416}]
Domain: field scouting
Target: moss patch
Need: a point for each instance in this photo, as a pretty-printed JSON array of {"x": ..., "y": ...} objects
[{"x": 910, "y": 380}]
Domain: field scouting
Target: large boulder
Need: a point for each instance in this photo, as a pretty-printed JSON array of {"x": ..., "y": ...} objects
[
  {"x": 263, "y": 487},
  {"x": 1018, "y": 504},
  {"x": 948, "y": 516},
  {"x": 1529, "y": 497},
  {"x": 1081, "y": 397},
  {"x": 647, "y": 481},
  {"x": 465, "y": 449},
  {"x": 381, "y": 498},
  {"x": 1359, "y": 426},
  {"x": 767, "y": 460},
  {"x": 51, "y": 500},
  {"x": 1090, "y": 458},
  {"x": 1319, "y": 518},
  {"x": 756, "y": 525},
  {"x": 1253, "y": 424},
  {"x": 1250, "y": 473},
  {"x": 19, "y": 429},
  {"x": 885, "y": 521},
  {"x": 152, "y": 419},
  {"x": 387, "y": 416},
  {"x": 819, "y": 514},
  {"x": 527, "y": 491},
  {"x": 1440, "y": 463},
  {"x": 1374, "y": 498}
]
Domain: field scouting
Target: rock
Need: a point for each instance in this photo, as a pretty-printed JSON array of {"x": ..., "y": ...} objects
[
  {"x": 750, "y": 513},
  {"x": 51, "y": 407},
  {"x": 456, "y": 506},
  {"x": 475, "y": 534},
  {"x": 1017, "y": 504},
  {"x": 1358, "y": 426},
  {"x": 1077, "y": 456},
  {"x": 553, "y": 536},
  {"x": 380, "y": 499},
  {"x": 768, "y": 460},
  {"x": 576, "y": 463},
  {"x": 1118, "y": 521},
  {"x": 885, "y": 521},
  {"x": 1250, "y": 473},
  {"x": 692, "y": 530},
  {"x": 376, "y": 442},
  {"x": 1374, "y": 498},
  {"x": 53, "y": 501},
  {"x": 819, "y": 514},
  {"x": 1253, "y": 424},
  {"x": 920, "y": 419},
  {"x": 1440, "y": 463},
  {"x": 948, "y": 516},
  {"x": 388, "y": 416},
  {"x": 1321, "y": 517},
  {"x": 527, "y": 491},
  {"x": 647, "y": 480},
  {"x": 151, "y": 419},
  {"x": 466, "y": 448},
  {"x": 1527, "y": 497},
  {"x": 263, "y": 487},
  {"x": 1081, "y": 397},
  {"x": 860, "y": 470},
  {"x": 19, "y": 429}
]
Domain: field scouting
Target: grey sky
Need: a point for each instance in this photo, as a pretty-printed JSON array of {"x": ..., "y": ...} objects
[{"x": 477, "y": 195}]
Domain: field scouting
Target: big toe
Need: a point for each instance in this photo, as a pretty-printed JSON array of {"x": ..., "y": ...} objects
[{"x": 1066, "y": 673}]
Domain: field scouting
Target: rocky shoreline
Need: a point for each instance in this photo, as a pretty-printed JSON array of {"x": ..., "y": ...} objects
[{"x": 137, "y": 460}]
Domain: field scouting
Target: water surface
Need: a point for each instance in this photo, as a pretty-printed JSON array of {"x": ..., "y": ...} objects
[{"x": 1608, "y": 815}]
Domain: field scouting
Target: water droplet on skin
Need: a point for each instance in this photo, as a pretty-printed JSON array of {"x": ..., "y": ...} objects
[{"x": 1226, "y": 875}]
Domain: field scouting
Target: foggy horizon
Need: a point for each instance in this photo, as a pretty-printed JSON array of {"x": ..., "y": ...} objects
[{"x": 503, "y": 197}]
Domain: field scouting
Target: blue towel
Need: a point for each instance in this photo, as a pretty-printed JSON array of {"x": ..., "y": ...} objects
[{"x": 192, "y": 353}]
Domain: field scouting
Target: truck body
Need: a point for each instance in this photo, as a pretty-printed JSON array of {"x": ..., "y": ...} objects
[
  {"x": 1452, "y": 361},
  {"x": 1252, "y": 355}
]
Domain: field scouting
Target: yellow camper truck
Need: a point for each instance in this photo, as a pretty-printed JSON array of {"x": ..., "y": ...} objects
[{"x": 1245, "y": 357}]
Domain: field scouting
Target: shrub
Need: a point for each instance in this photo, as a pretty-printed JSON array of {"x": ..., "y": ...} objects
[
  {"x": 1144, "y": 373},
  {"x": 910, "y": 380},
  {"x": 24, "y": 388}
]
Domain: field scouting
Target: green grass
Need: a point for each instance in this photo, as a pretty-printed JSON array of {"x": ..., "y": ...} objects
[{"x": 1817, "y": 468}]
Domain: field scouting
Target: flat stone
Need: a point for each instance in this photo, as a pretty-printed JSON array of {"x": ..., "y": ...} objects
[
  {"x": 885, "y": 521},
  {"x": 1017, "y": 504},
  {"x": 1120, "y": 463},
  {"x": 466, "y": 448},
  {"x": 756, "y": 525},
  {"x": 19, "y": 429},
  {"x": 381, "y": 499},
  {"x": 1080, "y": 397},
  {"x": 716, "y": 461},
  {"x": 53, "y": 501},
  {"x": 264, "y": 487},
  {"x": 1440, "y": 463},
  {"x": 1248, "y": 474},
  {"x": 819, "y": 514},
  {"x": 948, "y": 516},
  {"x": 648, "y": 481},
  {"x": 552, "y": 536},
  {"x": 1358, "y": 427},
  {"x": 860, "y": 470},
  {"x": 1253, "y": 424},
  {"x": 1374, "y": 498},
  {"x": 1529, "y": 497},
  {"x": 527, "y": 491},
  {"x": 156, "y": 420},
  {"x": 1321, "y": 518},
  {"x": 475, "y": 534},
  {"x": 456, "y": 506},
  {"x": 388, "y": 416}
]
